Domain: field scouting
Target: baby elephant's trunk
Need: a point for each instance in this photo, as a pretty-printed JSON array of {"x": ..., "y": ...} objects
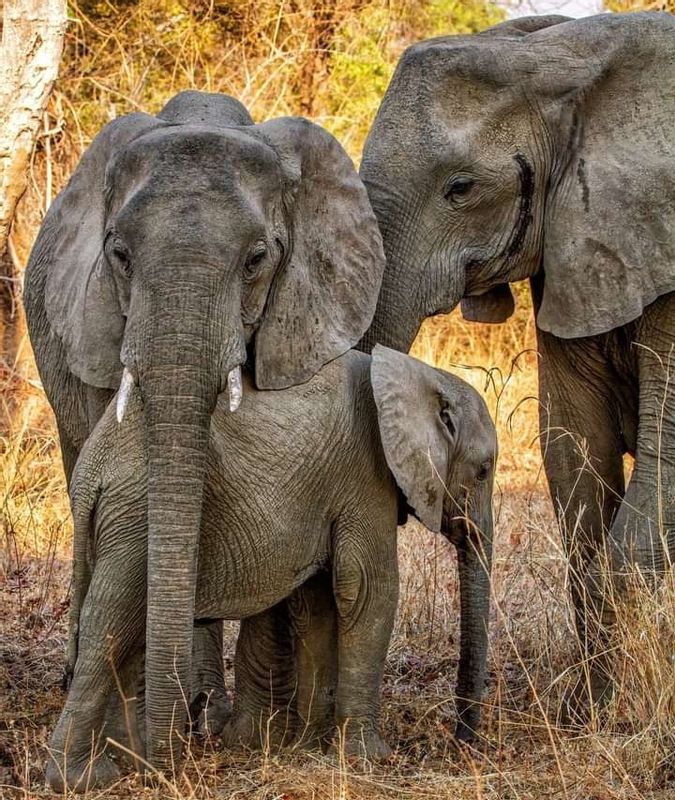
[{"x": 474, "y": 557}]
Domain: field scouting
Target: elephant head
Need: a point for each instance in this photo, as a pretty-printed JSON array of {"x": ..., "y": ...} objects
[
  {"x": 175, "y": 246},
  {"x": 441, "y": 446},
  {"x": 542, "y": 146}
]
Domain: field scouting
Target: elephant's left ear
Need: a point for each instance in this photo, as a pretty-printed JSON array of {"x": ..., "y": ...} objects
[
  {"x": 323, "y": 299},
  {"x": 607, "y": 84},
  {"x": 412, "y": 403}
]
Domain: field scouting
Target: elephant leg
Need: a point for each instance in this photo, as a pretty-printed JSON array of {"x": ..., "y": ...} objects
[
  {"x": 643, "y": 532},
  {"x": 365, "y": 582},
  {"x": 315, "y": 627},
  {"x": 582, "y": 448},
  {"x": 263, "y": 712},
  {"x": 210, "y": 705},
  {"x": 125, "y": 714},
  {"x": 111, "y": 628}
]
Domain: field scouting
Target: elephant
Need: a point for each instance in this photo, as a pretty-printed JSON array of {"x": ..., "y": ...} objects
[
  {"x": 544, "y": 149},
  {"x": 182, "y": 245},
  {"x": 300, "y": 481}
]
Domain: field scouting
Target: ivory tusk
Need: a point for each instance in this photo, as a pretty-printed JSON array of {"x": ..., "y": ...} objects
[
  {"x": 124, "y": 393},
  {"x": 234, "y": 389}
]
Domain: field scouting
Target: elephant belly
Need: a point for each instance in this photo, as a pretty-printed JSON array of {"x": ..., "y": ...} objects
[{"x": 246, "y": 570}]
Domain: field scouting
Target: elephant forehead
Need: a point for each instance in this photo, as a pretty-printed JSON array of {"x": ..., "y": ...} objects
[
  {"x": 176, "y": 148},
  {"x": 473, "y": 59},
  {"x": 463, "y": 120}
]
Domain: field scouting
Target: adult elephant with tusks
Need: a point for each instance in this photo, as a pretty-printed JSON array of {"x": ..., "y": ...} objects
[
  {"x": 544, "y": 148},
  {"x": 174, "y": 246}
]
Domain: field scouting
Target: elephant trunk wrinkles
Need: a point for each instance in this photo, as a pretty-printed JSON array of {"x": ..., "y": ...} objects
[
  {"x": 474, "y": 557},
  {"x": 397, "y": 319},
  {"x": 411, "y": 291},
  {"x": 179, "y": 382}
]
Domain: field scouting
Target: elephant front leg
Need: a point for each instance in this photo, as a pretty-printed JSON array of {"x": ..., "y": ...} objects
[
  {"x": 111, "y": 627},
  {"x": 365, "y": 571},
  {"x": 263, "y": 712},
  {"x": 583, "y": 451},
  {"x": 210, "y": 706},
  {"x": 125, "y": 714},
  {"x": 643, "y": 533},
  {"x": 315, "y": 627}
]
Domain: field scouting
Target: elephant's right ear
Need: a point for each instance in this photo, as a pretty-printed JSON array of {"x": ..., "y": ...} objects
[
  {"x": 81, "y": 297},
  {"x": 418, "y": 444},
  {"x": 324, "y": 296},
  {"x": 496, "y": 305}
]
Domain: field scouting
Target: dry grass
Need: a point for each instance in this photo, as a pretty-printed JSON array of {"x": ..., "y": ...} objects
[{"x": 124, "y": 59}]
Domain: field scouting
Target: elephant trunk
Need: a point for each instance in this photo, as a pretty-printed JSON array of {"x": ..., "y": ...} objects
[
  {"x": 395, "y": 323},
  {"x": 474, "y": 557},
  {"x": 180, "y": 376},
  {"x": 417, "y": 282},
  {"x": 397, "y": 318}
]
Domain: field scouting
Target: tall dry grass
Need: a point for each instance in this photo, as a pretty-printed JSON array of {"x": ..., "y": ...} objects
[{"x": 129, "y": 55}]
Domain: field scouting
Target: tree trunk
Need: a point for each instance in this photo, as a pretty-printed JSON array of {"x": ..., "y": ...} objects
[{"x": 30, "y": 51}]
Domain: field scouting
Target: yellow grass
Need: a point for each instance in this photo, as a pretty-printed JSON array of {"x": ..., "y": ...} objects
[{"x": 527, "y": 753}]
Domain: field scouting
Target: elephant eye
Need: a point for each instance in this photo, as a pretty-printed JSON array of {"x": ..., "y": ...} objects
[
  {"x": 458, "y": 188},
  {"x": 118, "y": 253},
  {"x": 255, "y": 259},
  {"x": 483, "y": 471}
]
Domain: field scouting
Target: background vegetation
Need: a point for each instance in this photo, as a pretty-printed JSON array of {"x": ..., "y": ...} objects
[{"x": 331, "y": 61}]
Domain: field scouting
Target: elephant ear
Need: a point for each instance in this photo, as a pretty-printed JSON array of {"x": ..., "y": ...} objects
[
  {"x": 609, "y": 237},
  {"x": 525, "y": 25},
  {"x": 496, "y": 305},
  {"x": 82, "y": 298},
  {"x": 205, "y": 108},
  {"x": 324, "y": 295},
  {"x": 410, "y": 397}
]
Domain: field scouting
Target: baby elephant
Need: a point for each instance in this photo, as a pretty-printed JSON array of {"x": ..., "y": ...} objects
[{"x": 298, "y": 481}]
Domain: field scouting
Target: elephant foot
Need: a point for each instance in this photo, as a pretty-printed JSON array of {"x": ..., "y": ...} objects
[
  {"x": 466, "y": 734},
  {"x": 312, "y": 738},
  {"x": 97, "y": 773},
  {"x": 210, "y": 712},
  {"x": 261, "y": 732},
  {"x": 590, "y": 695},
  {"x": 365, "y": 744}
]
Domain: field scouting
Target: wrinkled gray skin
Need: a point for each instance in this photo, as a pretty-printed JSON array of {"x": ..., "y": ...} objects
[
  {"x": 175, "y": 245},
  {"x": 297, "y": 482},
  {"x": 544, "y": 148}
]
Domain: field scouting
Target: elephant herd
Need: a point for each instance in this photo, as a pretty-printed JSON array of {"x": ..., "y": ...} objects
[{"x": 220, "y": 313}]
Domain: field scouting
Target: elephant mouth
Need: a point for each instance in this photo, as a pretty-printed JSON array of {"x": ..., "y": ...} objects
[{"x": 129, "y": 381}]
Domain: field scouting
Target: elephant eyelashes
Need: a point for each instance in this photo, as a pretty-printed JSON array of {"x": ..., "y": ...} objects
[{"x": 458, "y": 188}]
